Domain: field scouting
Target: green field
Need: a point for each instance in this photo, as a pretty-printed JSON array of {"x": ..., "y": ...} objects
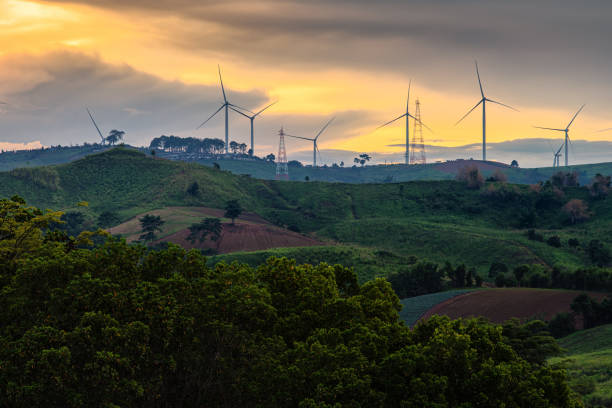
[
  {"x": 589, "y": 364},
  {"x": 436, "y": 220},
  {"x": 413, "y": 308},
  {"x": 368, "y": 263}
]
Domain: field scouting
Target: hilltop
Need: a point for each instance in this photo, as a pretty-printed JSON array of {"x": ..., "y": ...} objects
[
  {"x": 266, "y": 170},
  {"x": 438, "y": 220}
]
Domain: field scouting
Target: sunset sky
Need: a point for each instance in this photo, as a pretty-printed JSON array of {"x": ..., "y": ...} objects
[{"x": 150, "y": 68}]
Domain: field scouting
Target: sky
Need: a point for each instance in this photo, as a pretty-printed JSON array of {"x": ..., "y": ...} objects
[{"x": 150, "y": 68}]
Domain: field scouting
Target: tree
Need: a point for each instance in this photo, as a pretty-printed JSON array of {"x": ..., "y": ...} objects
[
  {"x": 471, "y": 176},
  {"x": 554, "y": 241},
  {"x": 114, "y": 136},
  {"x": 520, "y": 272},
  {"x": 598, "y": 253},
  {"x": 497, "y": 268},
  {"x": 232, "y": 210},
  {"x": 514, "y": 163},
  {"x": 150, "y": 224},
  {"x": 577, "y": 210},
  {"x": 118, "y": 325},
  {"x": 242, "y": 147},
  {"x": 363, "y": 158},
  {"x": 233, "y": 146},
  {"x": 600, "y": 186},
  {"x": 107, "y": 219},
  {"x": 207, "y": 227},
  {"x": 270, "y": 157},
  {"x": 341, "y": 164},
  {"x": 193, "y": 189}
]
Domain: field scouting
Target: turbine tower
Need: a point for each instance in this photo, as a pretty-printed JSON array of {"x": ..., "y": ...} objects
[
  {"x": 407, "y": 115},
  {"x": 557, "y": 155},
  {"x": 282, "y": 169},
  {"x": 226, "y": 105},
  {"x": 315, "y": 148},
  {"x": 252, "y": 119},
  {"x": 566, "y": 131},
  {"x": 95, "y": 124},
  {"x": 483, "y": 100}
]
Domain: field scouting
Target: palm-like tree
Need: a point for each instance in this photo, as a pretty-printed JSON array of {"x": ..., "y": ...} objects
[{"x": 114, "y": 136}]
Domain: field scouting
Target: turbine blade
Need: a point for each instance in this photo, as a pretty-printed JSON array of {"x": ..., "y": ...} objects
[
  {"x": 572, "y": 121},
  {"x": 211, "y": 116},
  {"x": 299, "y": 137},
  {"x": 238, "y": 111},
  {"x": 222, "y": 87},
  {"x": 94, "y": 123},
  {"x": 318, "y": 151},
  {"x": 239, "y": 107},
  {"x": 545, "y": 128},
  {"x": 502, "y": 104},
  {"x": 471, "y": 110},
  {"x": 265, "y": 108},
  {"x": 421, "y": 122},
  {"x": 479, "y": 82},
  {"x": 324, "y": 127},
  {"x": 604, "y": 130},
  {"x": 408, "y": 98},
  {"x": 391, "y": 121}
]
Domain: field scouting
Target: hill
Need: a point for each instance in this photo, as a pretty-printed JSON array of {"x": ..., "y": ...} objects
[
  {"x": 261, "y": 169},
  {"x": 589, "y": 364},
  {"x": 438, "y": 220}
]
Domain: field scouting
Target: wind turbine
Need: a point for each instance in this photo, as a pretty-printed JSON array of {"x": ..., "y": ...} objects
[
  {"x": 566, "y": 131},
  {"x": 252, "y": 118},
  {"x": 557, "y": 155},
  {"x": 315, "y": 148},
  {"x": 95, "y": 125},
  {"x": 407, "y": 115},
  {"x": 226, "y": 105},
  {"x": 484, "y": 101}
]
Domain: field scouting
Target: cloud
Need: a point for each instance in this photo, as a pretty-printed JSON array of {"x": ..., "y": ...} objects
[
  {"x": 47, "y": 96},
  {"x": 551, "y": 51}
]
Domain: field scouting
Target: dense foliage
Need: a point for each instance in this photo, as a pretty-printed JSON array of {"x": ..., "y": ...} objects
[{"x": 117, "y": 325}]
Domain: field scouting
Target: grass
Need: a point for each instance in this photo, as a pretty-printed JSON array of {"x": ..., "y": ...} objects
[
  {"x": 415, "y": 307},
  {"x": 589, "y": 364},
  {"x": 438, "y": 220},
  {"x": 368, "y": 263}
]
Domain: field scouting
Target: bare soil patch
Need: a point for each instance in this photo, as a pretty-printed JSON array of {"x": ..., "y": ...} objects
[
  {"x": 499, "y": 305},
  {"x": 245, "y": 237}
]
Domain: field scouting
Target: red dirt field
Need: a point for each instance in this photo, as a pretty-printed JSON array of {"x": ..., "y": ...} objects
[
  {"x": 499, "y": 305},
  {"x": 246, "y": 237}
]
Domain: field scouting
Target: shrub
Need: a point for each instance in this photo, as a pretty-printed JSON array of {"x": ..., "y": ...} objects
[
  {"x": 554, "y": 241},
  {"x": 471, "y": 176},
  {"x": 573, "y": 243},
  {"x": 598, "y": 253},
  {"x": 562, "y": 324}
]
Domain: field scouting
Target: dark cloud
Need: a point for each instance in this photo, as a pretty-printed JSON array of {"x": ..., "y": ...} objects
[{"x": 554, "y": 52}]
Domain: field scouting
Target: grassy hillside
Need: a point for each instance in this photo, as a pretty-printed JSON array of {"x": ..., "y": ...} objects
[
  {"x": 368, "y": 174},
  {"x": 368, "y": 263},
  {"x": 438, "y": 220},
  {"x": 589, "y": 364}
]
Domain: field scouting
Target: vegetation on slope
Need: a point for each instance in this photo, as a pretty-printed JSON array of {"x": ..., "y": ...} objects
[
  {"x": 441, "y": 220},
  {"x": 589, "y": 364},
  {"x": 117, "y": 325}
]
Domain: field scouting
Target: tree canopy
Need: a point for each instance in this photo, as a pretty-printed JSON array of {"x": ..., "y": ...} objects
[{"x": 120, "y": 325}]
